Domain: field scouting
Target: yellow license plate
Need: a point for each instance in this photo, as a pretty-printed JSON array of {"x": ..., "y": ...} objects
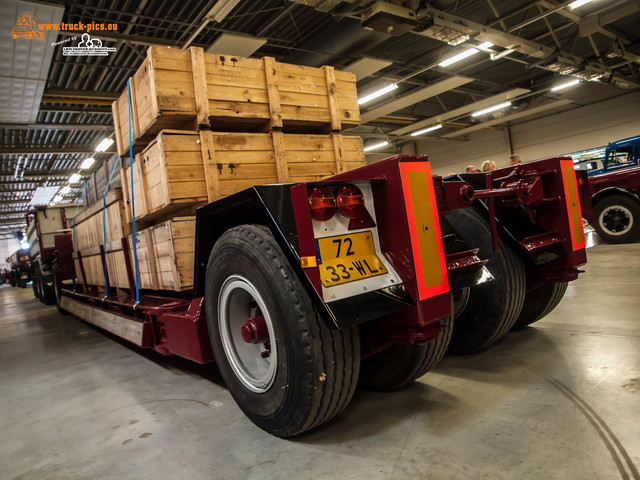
[{"x": 346, "y": 258}]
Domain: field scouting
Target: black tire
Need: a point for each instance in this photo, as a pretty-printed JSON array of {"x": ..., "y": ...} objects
[
  {"x": 57, "y": 288},
  {"x": 12, "y": 279},
  {"x": 23, "y": 282},
  {"x": 617, "y": 219},
  {"x": 493, "y": 307},
  {"x": 539, "y": 302},
  {"x": 310, "y": 372},
  {"x": 402, "y": 364}
]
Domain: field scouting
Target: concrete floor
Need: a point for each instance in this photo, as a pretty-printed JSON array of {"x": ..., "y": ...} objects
[{"x": 561, "y": 400}]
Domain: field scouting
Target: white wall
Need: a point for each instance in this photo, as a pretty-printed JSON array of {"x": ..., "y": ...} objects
[
  {"x": 7, "y": 247},
  {"x": 581, "y": 128}
]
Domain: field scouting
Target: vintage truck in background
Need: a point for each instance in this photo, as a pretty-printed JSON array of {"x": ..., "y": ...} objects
[{"x": 613, "y": 190}]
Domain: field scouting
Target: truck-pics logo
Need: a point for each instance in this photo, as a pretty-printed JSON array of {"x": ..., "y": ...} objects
[
  {"x": 25, "y": 27},
  {"x": 88, "y": 46}
]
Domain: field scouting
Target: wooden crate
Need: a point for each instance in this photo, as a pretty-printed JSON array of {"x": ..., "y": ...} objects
[
  {"x": 173, "y": 247},
  {"x": 147, "y": 273},
  {"x": 184, "y": 170},
  {"x": 183, "y": 89},
  {"x": 93, "y": 266},
  {"x": 89, "y": 224}
]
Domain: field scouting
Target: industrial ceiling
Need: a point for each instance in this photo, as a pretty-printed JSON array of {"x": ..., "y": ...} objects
[{"x": 515, "y": 51}]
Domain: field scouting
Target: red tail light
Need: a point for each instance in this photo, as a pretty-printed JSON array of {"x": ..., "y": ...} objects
[
  {"x": 350, "y": 201},
  {"x": 322, "y": 203},
  {"x": 580, "y": 179}
]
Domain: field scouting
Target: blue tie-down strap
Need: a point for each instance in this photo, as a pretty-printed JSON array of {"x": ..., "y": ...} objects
[{"x": 133, "y": 203}]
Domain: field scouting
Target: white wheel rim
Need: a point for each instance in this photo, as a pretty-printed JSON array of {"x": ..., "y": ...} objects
[
  {"x": 616, "y": 216},
  {"x": 252, "y": 364}
]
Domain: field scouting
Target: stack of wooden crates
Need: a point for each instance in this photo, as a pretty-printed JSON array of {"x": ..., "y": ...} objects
[{"x": 205, "y": 126}]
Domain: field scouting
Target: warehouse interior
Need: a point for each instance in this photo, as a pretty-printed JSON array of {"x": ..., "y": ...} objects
[{"x": 462, "y": 82}]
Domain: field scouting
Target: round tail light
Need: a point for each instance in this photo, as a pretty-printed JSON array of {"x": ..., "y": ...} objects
[
  {"x": 322, "y": 203},
  {"x": 350, "y": 201}
]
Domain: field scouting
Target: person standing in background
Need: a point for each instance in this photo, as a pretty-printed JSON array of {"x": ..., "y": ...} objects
[
  {"x": 488, "y": 166},
  {"x": 514, "y": 159}
]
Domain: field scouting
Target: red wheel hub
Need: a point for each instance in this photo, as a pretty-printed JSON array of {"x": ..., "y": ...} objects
[{"x": 255, "y": 330}]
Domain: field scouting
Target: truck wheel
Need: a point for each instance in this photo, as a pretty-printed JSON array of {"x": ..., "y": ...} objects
[
  {"x": 401, "y": 364},
  {"x": 57, "y": 288},
  {"x": 493, "y": 307},
  {"x": 617, "y": 219},
  {"x": 284, "y": 367},
  {"x": 539, "y": 302}
]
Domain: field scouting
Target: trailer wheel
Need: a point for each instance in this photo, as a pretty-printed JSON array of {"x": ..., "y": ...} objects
[
  {"x": 617, "y": 219},
  {"x": 539, "y": 303},
  {"x": 493, "y": 307},
  {"x": 57, "y": 288},
  {"x": 401, "y": 364},
  {"x": 284, "y": 367}
]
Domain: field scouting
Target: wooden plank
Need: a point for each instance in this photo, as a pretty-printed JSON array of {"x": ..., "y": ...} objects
[
  {"x": 279, "y": 153},
  {"x": 334, "y": 113},
  {"x": 117, "y": 127},
  {"x": 210, "y": 167},
  {"x": 152, "y": 86},
  {"x": 272, "y": 92},
  {"x": 341, "y": 162},
  {"x": 200, "y": 86}
]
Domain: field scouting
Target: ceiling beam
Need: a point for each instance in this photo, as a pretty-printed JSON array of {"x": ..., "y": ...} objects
[
  {"x": 72, "y": 109},
  {"x": 57, "y": 126},
  {"x": 507, "y": 118},
  {"x": 415, "y": 97},
  {"x": 457, "y": 112},
  {"x": 53, "y": 149},
  {"x": 79, "y": 94},
  {"x": 132, "y": 39}
]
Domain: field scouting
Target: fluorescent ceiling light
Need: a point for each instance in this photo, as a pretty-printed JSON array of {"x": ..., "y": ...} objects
[
  {"x": 104, "y": 144},
  {"x": 485, "y": 46},
  {"x": 491, "y": 109},
  {"x": 426, "y": 130},
  {"x": 56, "y": 199},
  {"x": 66, "y": 189},
  {"x": 562, "y": 86},
  {"x": 377, "y": 93},
  {"x": 87, "y": 163},
  {"x": 578, "y": 3},
  {"x": 460, "y": 56},
  {"x": 75, "y": 178},
  {"x": 43, "y": 195},
  {"x": 375, "y": 146}
]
